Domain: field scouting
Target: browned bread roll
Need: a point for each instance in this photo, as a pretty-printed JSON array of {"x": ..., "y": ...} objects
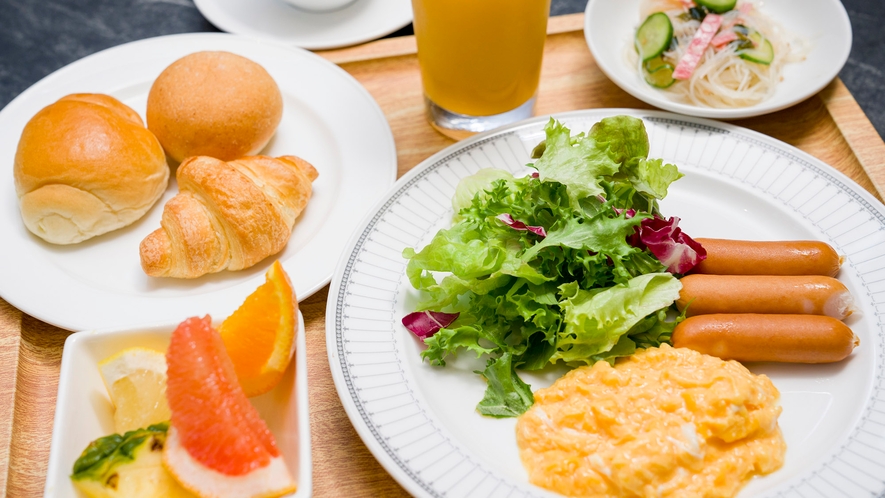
[
  {"x": 84, "y": 166},
  {"x": 215, "y": 104},
  {"x": 227, "y": 215}
]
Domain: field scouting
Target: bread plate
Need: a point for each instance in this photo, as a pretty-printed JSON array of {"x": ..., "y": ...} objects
[
  {"x": 329, "y": 119},
  {"x": 420, "y": 421},
  {"x": 84, "y": 412},
  {"x": 610, "y": 25}
]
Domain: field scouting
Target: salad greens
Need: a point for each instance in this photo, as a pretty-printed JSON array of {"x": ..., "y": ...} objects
[{"x": 561, "y": 265}]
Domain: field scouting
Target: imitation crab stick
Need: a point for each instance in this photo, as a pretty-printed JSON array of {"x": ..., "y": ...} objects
[
  {"x": 696, "y": 48},
  {"x": 746, "y": 257},
  {"x": 751, "y": 337},
  {"x": 805, "y": 295}
]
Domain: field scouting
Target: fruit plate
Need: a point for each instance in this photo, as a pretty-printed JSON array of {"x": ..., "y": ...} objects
[
  {"x": 83, "y": 410},
  {"x": 420, "y": 421},
  {"x": 609, "y": 27},
  {"x": 329, "y": 119}
]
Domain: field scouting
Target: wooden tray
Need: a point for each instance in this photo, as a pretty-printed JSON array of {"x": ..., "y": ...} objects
[{"x": 829, "y": 126}]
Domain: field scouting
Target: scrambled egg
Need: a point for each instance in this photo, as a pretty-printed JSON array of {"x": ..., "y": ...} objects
[{"x": 665, "y": 422}]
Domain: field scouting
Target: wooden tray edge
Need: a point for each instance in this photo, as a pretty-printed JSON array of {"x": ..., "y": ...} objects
[{"x": 862, "y": 137}]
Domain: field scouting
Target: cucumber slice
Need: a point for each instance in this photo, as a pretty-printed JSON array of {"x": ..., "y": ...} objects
[
  {"x": 762, "y": 51},
  {"x": 717, "y": 6},
  {"x": 658, "y": 72},
  {"x": 653, "y": 36}
]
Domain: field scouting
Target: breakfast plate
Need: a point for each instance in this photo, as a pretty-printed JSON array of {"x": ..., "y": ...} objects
[
  {"x": 276, "y": 20},
  {"x": 329, "y": 119},
  {"x": 610, "y": 25},
  {"x": 420, "y": 420},
  {"x": 84, "y": 412}
]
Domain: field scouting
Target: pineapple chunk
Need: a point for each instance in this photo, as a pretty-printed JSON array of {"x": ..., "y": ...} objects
[{"x": 129, "y": 466}]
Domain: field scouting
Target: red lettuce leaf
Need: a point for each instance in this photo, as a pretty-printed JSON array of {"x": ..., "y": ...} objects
[
  {"x": 518, "y": 225},
  {"x": 426, "y": 323},
  {"x": 673, "y": 247}
]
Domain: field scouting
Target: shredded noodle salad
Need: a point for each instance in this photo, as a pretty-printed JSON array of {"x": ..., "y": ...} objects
[{"x": 720, "y": 59}]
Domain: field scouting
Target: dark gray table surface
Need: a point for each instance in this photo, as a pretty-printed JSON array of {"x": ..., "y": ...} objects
[{"x": 38, "y": 37}]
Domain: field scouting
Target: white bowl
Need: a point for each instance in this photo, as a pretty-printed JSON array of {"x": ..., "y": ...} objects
[
  {"x": 83, "y": 410},
  {"x": 609, "y": 26}
]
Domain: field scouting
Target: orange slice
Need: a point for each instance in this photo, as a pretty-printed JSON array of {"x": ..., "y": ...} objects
[
  {"x": 217, "y": 444},
  {"x": 260, "y": 335}
]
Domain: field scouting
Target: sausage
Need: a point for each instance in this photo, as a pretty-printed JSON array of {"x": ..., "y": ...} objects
[
  {"x": 751, "y": 337},
  {"x": 801, "y": 295},
  {"x": 746, "y": 257}
]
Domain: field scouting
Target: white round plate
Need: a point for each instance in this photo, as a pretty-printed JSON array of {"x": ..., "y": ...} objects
[
  {"x": 329, "y": 119},
  {"x": 420, "y": 421},
  {"x": 609, "y": 27},
  {"x": 275, "y": 20}
]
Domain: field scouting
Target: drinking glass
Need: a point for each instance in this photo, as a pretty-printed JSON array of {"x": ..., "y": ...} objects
[{"x": 480, "y": 61}]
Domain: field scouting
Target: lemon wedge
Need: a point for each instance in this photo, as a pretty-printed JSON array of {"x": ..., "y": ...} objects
[{"x": 136, "y": 381}]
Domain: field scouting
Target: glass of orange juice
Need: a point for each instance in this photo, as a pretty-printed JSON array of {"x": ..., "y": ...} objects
[{"x": 480, "y": 61}]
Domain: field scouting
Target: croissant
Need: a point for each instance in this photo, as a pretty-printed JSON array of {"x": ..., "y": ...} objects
[{"x": 227, "y": 215}]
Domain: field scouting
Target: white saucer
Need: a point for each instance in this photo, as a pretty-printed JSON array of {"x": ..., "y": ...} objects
[{"x": 276, "y": 20}]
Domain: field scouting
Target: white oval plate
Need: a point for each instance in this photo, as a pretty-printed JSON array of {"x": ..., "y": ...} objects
[
  {"x": 84, "y": 411},
  {"x": 420, "y": 421},
  {"x": 275, "y": 20},
  {"x": 329, "y": 119},
  {"x": 609, "y": 26}
]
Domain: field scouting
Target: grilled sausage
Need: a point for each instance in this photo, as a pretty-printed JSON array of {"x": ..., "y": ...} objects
[
  {"x": 809, "y": 295},
  {"x": 752, "y": 337},
  {"x": 745, "y": 257}
]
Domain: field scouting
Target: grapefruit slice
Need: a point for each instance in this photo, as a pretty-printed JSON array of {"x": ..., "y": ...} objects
[{"x": 217, "y": 445}]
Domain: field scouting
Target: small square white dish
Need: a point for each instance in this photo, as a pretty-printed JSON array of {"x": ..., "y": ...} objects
[{"x": 83, "y": 409}]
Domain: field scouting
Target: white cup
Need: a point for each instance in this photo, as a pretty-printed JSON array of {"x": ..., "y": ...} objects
[{"x": 320, "y": 5}]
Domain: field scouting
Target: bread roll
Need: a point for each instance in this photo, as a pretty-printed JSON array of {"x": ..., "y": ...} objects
[
  {"x": 84, "y": 166},
  {"x": 214, "y": 104}
]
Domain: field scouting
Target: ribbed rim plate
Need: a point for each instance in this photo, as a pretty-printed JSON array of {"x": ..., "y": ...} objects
[{"x": 419, "y": 421}]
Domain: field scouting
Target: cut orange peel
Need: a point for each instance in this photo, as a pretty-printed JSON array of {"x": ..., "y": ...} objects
[{"x": 260, "y": 335}]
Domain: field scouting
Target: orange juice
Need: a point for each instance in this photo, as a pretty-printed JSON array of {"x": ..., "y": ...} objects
[{"x": 480, "y": 57}]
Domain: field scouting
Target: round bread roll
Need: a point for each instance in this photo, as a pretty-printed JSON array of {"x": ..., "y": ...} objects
[
  {"x": 84, "y": 166},
  {"x": 215, "y": 104}
]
